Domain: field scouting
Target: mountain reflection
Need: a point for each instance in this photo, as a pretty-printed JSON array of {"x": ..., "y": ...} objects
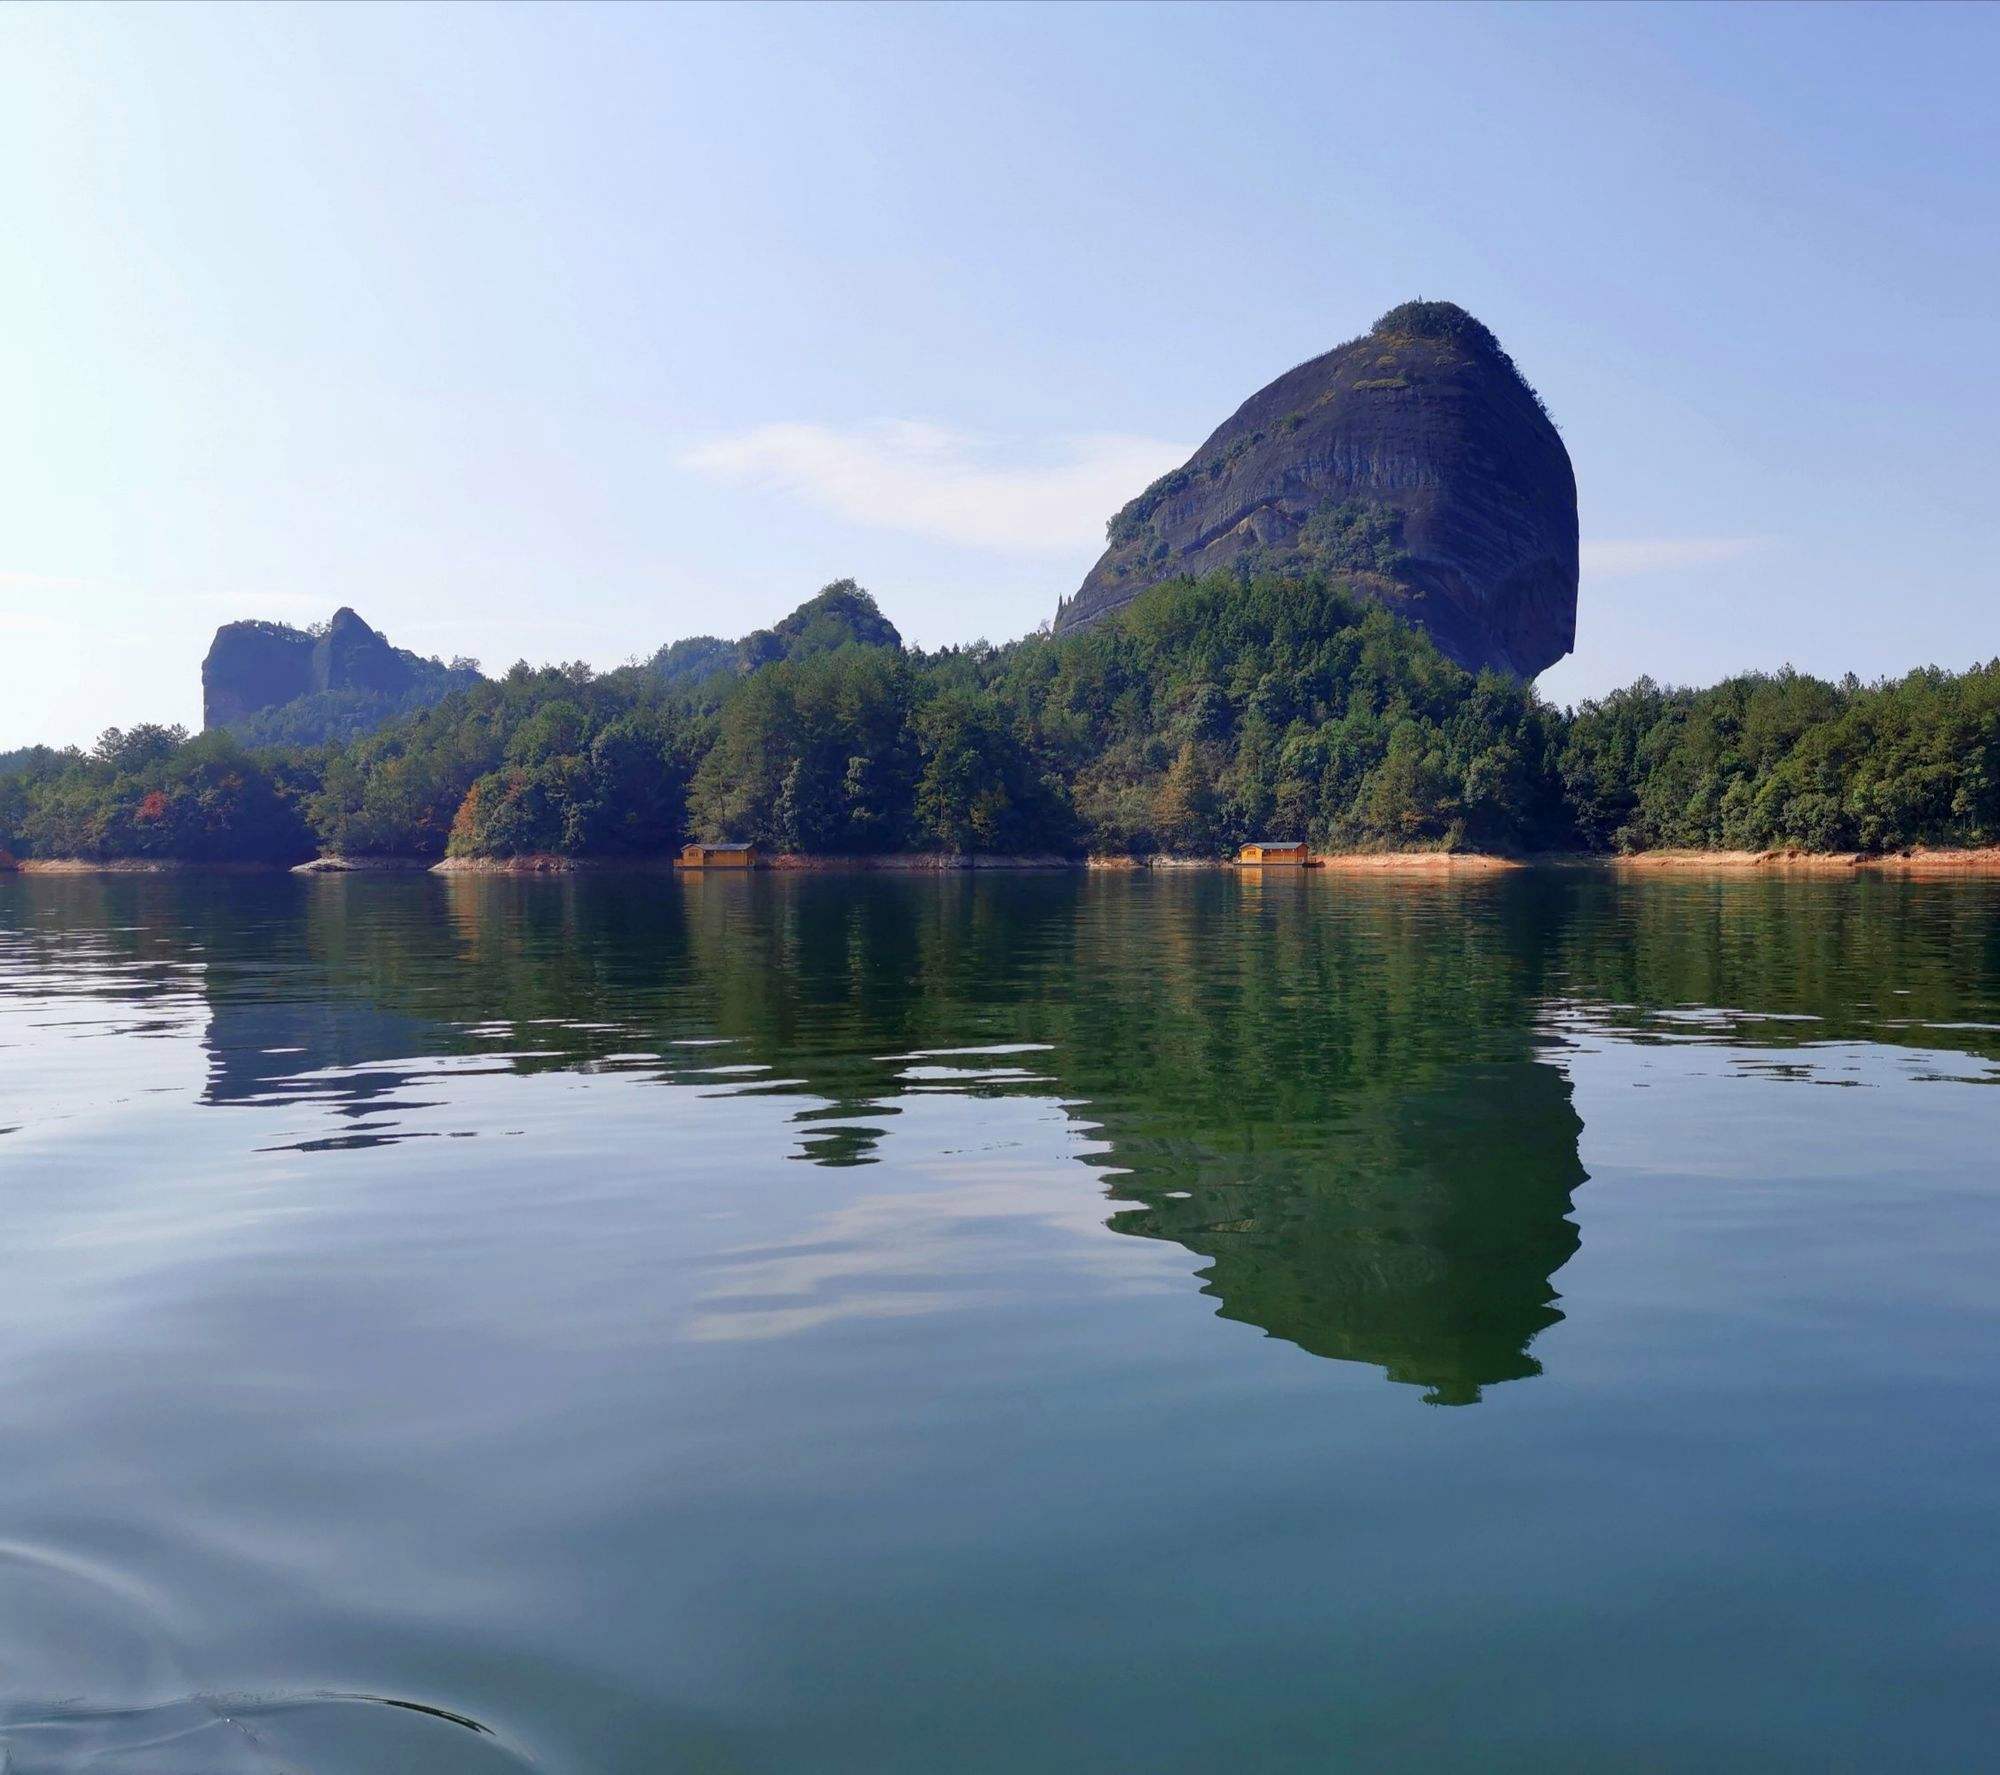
[
  {"x": 1340, "y": 1096},
  {"x": 1345, "y": 1097},
  {"x": 1428, "y": 1255}
]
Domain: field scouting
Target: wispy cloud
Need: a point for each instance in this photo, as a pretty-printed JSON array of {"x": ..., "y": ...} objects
[
  {"x": 1657, "y": 554},
  {"x": 267, "y": 605},
  {"x": 45, "y": 582},
  {"x": 929, "y": 480}
]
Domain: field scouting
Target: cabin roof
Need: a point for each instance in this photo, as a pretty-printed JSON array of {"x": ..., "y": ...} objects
[
  {"x": 722, "y": 847},
  {"x": 1276, "y": 844}
]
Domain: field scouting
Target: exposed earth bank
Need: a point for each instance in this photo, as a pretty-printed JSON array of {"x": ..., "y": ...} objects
[
  {"x": 137, "y": 866},
  {"x": 1982, "y": 860}
]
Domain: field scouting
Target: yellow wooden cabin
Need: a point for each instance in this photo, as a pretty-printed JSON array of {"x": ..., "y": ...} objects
[
  {"x": 717, "y": 856},
  {"x": 1268, "y": 851}
]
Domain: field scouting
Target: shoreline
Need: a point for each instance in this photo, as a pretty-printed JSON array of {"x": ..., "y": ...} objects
[
  {"x": 137, "y": 866},
  {"x": 1975, "y": 860},
  {"x": 1981, "y": 860},
  {"x": 911, "y": 862},
  {"x": 782, "y": 863},
  {"x": 362, "y": 866}
]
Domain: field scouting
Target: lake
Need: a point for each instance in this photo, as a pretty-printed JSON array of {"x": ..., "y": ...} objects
[{"x": 1158, "y": 1322}]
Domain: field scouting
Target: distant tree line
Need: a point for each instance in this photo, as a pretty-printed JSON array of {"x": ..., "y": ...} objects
[
  {"x": 1206, "y": 714},
  {"x": 153, "y": 792},
  {"x": 1769, "y": 760}
]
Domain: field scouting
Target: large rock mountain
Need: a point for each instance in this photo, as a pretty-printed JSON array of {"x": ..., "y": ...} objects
[
  {"x": 1413, "y": 461},
  {"x": 353, "y": 677}
]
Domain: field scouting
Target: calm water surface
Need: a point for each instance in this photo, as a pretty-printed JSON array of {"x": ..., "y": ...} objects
[{"x": 998, "y": 1324}]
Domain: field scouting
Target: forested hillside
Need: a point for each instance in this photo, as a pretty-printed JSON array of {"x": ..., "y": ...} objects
[
  {"x": 1208, "y": 712},
  {"x": 1785, "y": 759}
]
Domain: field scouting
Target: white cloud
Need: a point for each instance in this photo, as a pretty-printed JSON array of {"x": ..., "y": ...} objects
[
  {"x": 928, "y": 480},
  {"x": 1619, "y": 560}
]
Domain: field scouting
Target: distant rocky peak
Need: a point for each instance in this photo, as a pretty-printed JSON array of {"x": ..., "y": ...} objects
[{"x": 256, "y": 666}]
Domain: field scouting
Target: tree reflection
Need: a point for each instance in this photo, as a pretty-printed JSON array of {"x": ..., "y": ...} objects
[{"x": 1344, "y": 1096}]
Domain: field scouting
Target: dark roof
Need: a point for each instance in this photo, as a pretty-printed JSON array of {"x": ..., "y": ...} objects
[
  {"x": 1276, "y": 844},
  {"x": 724, "y": 847}
]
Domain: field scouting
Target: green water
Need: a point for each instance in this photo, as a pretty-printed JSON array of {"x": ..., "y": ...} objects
[{"x": 985, "y": 1323}]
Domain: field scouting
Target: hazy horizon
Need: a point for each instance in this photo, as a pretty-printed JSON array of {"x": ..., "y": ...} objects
[{"x": 564, "y": 333}]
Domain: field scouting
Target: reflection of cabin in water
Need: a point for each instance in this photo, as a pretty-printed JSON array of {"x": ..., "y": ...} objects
[
  {"x": 717, "y": 856},
  {"x": 1290, "y": 851}
]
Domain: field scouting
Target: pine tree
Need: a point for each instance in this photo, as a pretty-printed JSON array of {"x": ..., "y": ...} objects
[{"x": 1184, "y": 809}]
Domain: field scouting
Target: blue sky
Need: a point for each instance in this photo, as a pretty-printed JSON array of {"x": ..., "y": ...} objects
[{"x": 559, "y": 332}]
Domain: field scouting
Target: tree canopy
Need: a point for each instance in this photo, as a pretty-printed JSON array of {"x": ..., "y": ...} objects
[{"x": 1208, "y": 713}]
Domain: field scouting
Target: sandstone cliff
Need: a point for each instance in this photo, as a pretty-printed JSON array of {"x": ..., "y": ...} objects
[
  {"x": 1414, "y": 461},
  {"x": 256, "y": 667}
]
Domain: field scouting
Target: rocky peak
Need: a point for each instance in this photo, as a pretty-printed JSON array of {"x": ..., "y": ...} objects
[
  {"x": 353, "y": 656},
  {"x": 254, "y": 666},
  {"x": 1414, "y": 462}
]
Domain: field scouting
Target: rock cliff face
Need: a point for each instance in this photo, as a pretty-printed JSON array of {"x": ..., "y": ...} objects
[
  {"x": 255, "y": 666},
  {"x": 1414, "y": 461}
]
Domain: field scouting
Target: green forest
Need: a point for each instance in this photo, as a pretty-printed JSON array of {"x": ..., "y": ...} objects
[{"x": 1206, "y": 713}]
